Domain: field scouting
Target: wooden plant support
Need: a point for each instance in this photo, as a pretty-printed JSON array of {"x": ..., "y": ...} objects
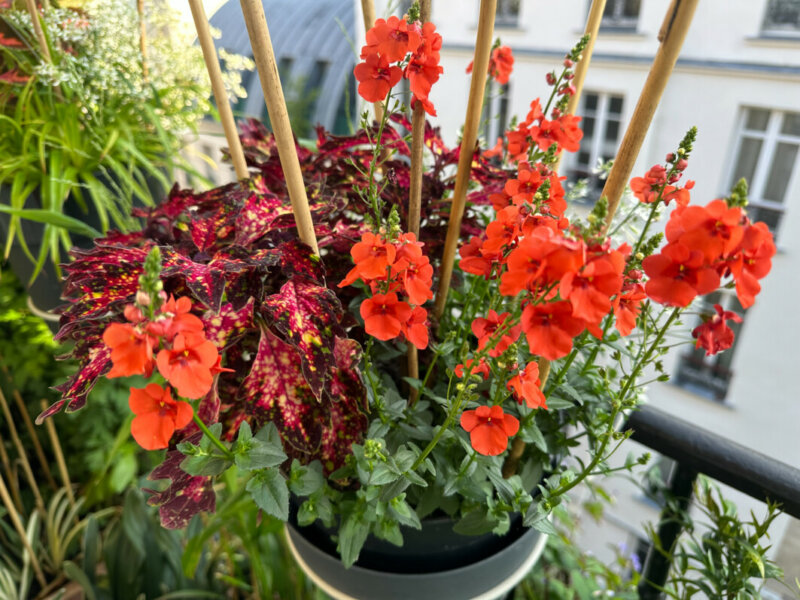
[
  {"x": 218, "y": 87},
  {"x": 592, "y": 29},
  {"x": 673, "y": 32},
  {"x": 483, "y": 48},
  {"x": 267, "y": 68},
  {"x": 415, "y": 191},
  {"x": 37, "y": 445},
  {"x": 368, "y": 11}
]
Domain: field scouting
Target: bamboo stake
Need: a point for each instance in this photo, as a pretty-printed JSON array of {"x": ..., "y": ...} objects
[
  {"x": 368, "y": 10},
  {"x": 12, "y": 513},
  {"x": 142, "y": 38},
  {"x": 37, "y": 28},
  {"x": 592, "y": 29},
  {"x": 62, "y": 464},
  {"x": 415, "y": 192},
  {"x": 218, "y": 87},
  {"x": 23, "y": 456},
  {"x": 483, "y": 48},
  {"x": 267, "y": 68},
  {"x": 673, "y": 32}
]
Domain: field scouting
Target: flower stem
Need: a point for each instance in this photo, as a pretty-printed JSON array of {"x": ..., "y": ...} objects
[{"x": 214, "y": 439}]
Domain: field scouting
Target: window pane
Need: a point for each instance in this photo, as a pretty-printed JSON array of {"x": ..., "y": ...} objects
[
  {"x": 612, "y": 131},
  {"x": 615, "y": 105},
  {"x": 583, "y": 158},
  {"x": 588, "y": 127},
  {"x": 783, "y": 15},
  {"x": 590, "y": 101},
  {"x": 791, "y": 124},
  {"x": 757, "y": 119},
  {"x": 780, "y": 172},
  {"x": 770, "y": 216},
  {"x": 747, "y": 160},
  {"x": 631, "y": 8}
]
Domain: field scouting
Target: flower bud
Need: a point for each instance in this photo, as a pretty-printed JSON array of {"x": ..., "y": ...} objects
[
  {"x": 682, "y": 164},
  {"x": 551, "y": 79},
  {"x": 671, "y": 157},
  {"x": 568, "y": 63},
  {"x": 142, "y": 298}
]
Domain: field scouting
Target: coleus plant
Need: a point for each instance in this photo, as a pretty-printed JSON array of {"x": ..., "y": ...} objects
[{"x": 284, "y": 364}]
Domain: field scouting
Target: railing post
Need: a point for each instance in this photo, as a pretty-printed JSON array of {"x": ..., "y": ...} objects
[{"x": 656, "y": 567}]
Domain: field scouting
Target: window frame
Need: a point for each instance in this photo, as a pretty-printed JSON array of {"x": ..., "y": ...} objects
[
  {"x": 617, "y": 22},
  {"x": 770, "y": 138},
  {"x": 601, "y": 117},
  {"x": 770, "y": 30},
  {"x": 505, "y": 15}
]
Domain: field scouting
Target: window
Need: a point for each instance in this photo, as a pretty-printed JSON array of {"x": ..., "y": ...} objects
[
  {"x": 507, "y": 14},
  {"x": 495, "y": 112},
  {"x": 601, "y": 124},
  {"x": 710, "y": 376},
  {"x": 766, "y": 156},
  {"x": 621, "y": 15},
  {"x": 782, "y": 18}
]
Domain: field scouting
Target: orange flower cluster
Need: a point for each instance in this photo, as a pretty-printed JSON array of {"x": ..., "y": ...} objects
[
  {"x": 654, "y": 184},
  {"x": 389, "y": 269},
  {"x": 395, "y": 49},
  {"x": 501, "y": 63},
  {"x": 187, "y": 360},
  {"x": 537, "y": 130},
  {"x": 706, "y": 244}
]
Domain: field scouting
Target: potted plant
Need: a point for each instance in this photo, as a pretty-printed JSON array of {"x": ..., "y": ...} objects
[
  {"x": 89, "y": 126},
  {"x": 290, "y": 366}
]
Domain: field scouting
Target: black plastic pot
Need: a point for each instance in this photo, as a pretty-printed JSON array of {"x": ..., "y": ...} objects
[{"x": 434, "y": 563}]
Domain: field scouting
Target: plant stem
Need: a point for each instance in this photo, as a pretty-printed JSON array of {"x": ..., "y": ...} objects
[{"x": 214, "y": 439}]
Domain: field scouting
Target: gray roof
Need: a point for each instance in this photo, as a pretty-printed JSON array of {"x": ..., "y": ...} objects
[{"x": 312, "y": 50}]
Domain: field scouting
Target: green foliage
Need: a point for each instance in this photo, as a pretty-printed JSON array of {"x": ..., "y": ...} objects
[{"x": 721, "y": 555}]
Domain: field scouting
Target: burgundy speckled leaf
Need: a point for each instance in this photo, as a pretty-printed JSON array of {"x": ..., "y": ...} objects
[
  {"x": 275, "y": 390},
  {"x": 206, "y": 282},
  {"x": 257, "y": 216},
  {"x": 298, "y": 259},
  {"x": 307, "y": 317},
  {"x": 77, "y": 387},
  {"x": 186, "y": 496},
  {"x": 224, "y": 327}
]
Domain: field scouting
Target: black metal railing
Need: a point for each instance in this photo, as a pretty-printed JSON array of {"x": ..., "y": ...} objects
[{"x": 697, "y": 450}]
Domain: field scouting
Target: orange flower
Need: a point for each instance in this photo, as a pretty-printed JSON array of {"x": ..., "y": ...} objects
[
  {"x": 626, "y": 308},
  {"x": 158, "y": 416},
  {"x": 174, "y": 318},
  {"x": 187, "y": 366},
  {"x": 550, "y": 329},
  {"x": 489, "y": 429},
  {"x": 752, "y": 262},
  {"x": 131, "y": 350},
  {"x": 481, "y": 368},
  {"x": 372, "y": 256},
  {"x": 485, "y": 328},
  {"x": 714, "y": 335},
  {"x": 501, "y": 63},
  {"x": 715, "y": 229},
  {"x": 527, "y": 386},
  {"x": 384, "y": 316},
  {"x": 376, "y": 77},
  {"x": 392, "y": 38},
  {"x": 678, "y": 275},
  {"x": 416, "y": 328}
]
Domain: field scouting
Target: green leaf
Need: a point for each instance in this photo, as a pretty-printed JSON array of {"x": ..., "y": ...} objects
[
  {"x": 402, "y": 511},
  {"x": 270, "y": 493},
  {"x": 124, "y": 471},
  {"x": 305, "y": 480},
  {"x": 556, "y": 403},
  {"x": 51, "y": 217},
  {"x": 204, "y": 465},
  {"x": 74, "y": 572},
  {"x": 476, "y": 522},
  {"x": 352, "y": 536},
  {"x": 571, "y": 392},
  {"x": 261, "y": 451},
  {"x": 531, "y": 435}
]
